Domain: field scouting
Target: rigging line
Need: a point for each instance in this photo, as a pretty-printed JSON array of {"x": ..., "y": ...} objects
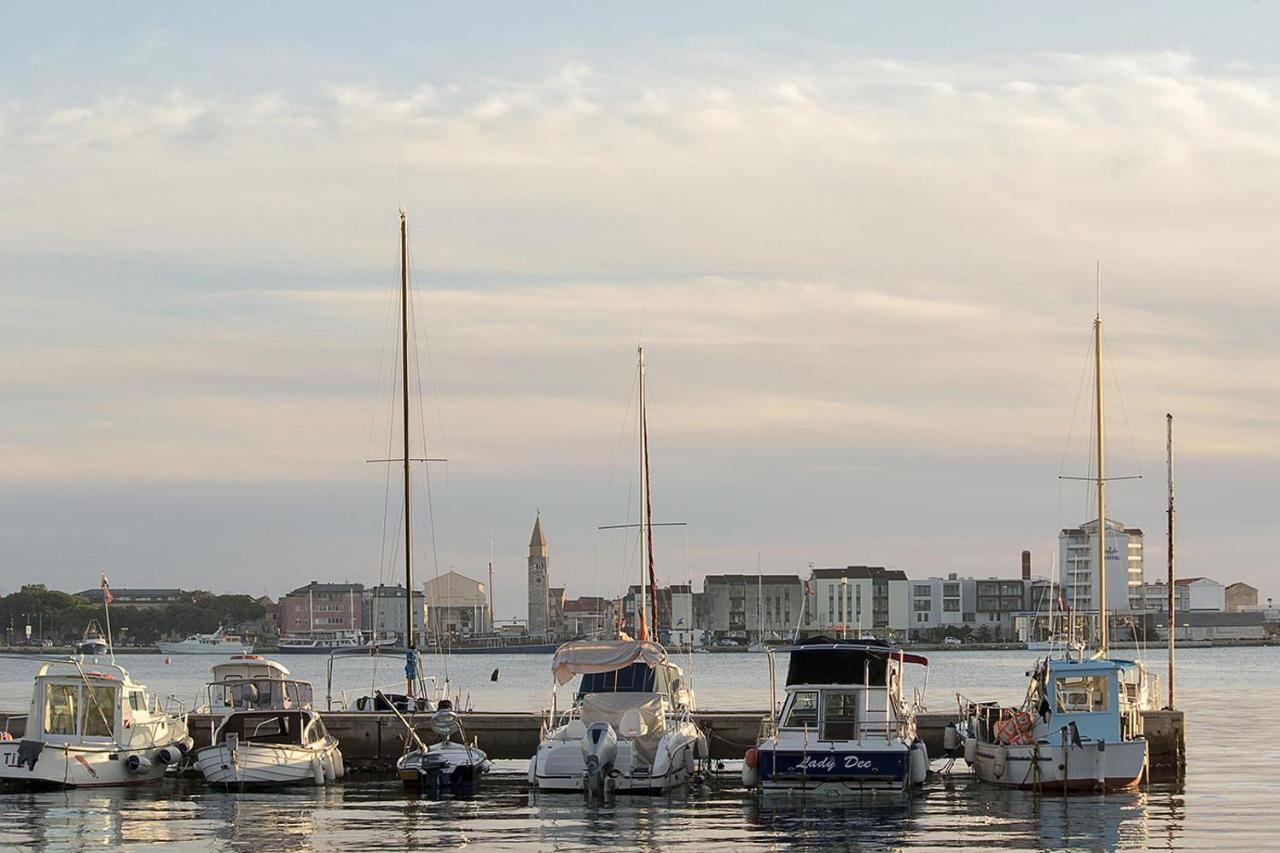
[
  {"x": 426, "y": 474},
  {"x": 1133, "y": 444}
]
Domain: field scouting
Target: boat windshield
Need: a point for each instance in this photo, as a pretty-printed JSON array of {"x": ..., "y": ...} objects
[
  {"x": 265, "y": 728},
  {"x": 1081, "y": 694},
  {"x": 803, "y": 711},
  {"x": 638, "y": 677}
]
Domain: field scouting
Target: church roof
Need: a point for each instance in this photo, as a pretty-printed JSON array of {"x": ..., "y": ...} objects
[{"x": 539, "y": 539}]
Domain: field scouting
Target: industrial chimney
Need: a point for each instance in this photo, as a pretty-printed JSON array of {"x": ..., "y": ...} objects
[{"x": 1026, "y": 565}]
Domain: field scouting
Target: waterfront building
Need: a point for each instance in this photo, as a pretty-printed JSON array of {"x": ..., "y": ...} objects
[
  {"x": 587, "y": 616},
  {"x": 1078, "y": 560},
  {"x": 742, "y": 607},
  {"x": 539, "y": 623},
  {"x": 383, "y": 613},
  {"x": 950, "y": 602},
  {"x": 858, "y": 600},
  {"x": 1240, "y": 596},
  {"x": 456, "y": 606},
  {"x": 322, "y": 608},
  {"x": 683, "y": 630},
  {"x": 1216, "y": 627},
  {"x": 1202, "y": 595},
  {"x": 142, "y": 599}
]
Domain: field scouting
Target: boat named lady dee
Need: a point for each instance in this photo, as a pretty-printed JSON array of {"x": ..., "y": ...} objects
[{"x": 845, "y": 725}]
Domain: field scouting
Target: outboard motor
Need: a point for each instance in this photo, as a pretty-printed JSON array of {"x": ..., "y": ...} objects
[{"x": 599, "y": 751}]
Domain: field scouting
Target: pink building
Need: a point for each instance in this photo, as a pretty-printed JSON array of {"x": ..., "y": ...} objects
[{"x": 322, "y": 608}]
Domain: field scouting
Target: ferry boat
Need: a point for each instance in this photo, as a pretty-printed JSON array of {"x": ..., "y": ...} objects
[
  {"x": 91, "y": 725},
  {"x": 217, "y": 643},
  {"x": 629, "y": 728},
  {"x": 846, "y": 725},
  {"x": 320, "y": 643}
]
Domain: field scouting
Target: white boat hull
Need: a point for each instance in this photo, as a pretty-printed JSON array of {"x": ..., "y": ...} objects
[
  {"x": 269, "y": 764},
  {"x": 559, "y": 766},
  {"x": 221, "y": 650},
  {"x": 78, "y": 766},
  {"x": 1093, "y": 766}
]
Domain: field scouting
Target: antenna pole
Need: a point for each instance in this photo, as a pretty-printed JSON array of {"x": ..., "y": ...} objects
[
  {"x": 1172, "y": 616},
  {"x": 1102, "y": 500}
]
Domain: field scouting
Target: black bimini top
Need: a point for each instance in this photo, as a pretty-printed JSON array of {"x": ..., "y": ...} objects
[{"x": 821, "y": 660}]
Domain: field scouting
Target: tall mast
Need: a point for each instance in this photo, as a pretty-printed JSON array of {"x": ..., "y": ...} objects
[
  {"x": 1102, "y": 500},
  {"x": 491, "y": 583},
  {"x": 404, "y": 400},
  {"x": 1172, "y": 619},
  {"x": 642, "y": 623},
  {"x": 760, "y": 596}
]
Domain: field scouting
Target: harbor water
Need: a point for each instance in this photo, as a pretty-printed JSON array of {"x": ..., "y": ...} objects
[{"x": 1232, "y": 780}]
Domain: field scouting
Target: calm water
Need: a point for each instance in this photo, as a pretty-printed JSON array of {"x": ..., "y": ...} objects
[{"x": 1231, "y": 789}]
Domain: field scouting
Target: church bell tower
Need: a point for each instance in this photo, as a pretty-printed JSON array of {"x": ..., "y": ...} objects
[{"x": 539, "y": 597}]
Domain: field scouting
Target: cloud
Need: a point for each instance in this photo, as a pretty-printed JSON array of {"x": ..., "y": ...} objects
[{"x": 847, "y": 272}]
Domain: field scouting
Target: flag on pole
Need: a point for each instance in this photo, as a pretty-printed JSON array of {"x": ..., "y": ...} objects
[
  {"x": 107, "y": 597},
  {"x": 808, "y": 588}
]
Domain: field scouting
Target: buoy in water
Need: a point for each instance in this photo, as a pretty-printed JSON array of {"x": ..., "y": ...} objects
[{"x": 168, "y": 659}]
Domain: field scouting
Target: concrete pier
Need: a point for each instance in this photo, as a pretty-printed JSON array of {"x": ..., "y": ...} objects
[{"x": 371, "y": 742}]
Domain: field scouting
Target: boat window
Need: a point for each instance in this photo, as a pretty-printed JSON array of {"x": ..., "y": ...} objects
[
  {"x": 636, "y": 678},
  {"x": 1082, "y": 694},
  {"x": 803, "y": 711},
  {"x": 840, "y": 722},
  {"x": 60, "y": 708},
  {"x": 99, "y": 709},
  {"x": 137, "y": 701}
]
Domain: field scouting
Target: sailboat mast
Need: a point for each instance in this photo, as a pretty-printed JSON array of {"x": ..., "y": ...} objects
[
  {"x": 760, "y": 597},
  {"x": 491, "y": 583},
  {"x": 404, "y": 400},
  {"x": 1172, "y": 615},
  {"x": 1102, "y": 500},
  {"x": 642, "y": 623}
]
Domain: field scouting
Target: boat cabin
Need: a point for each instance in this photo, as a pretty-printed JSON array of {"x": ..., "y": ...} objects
[
  {"x": 842, "y": 691},
  {"x": 258, "y": 693},
  {"x": 280, "y": 728},
  {"x": 93, "y": 705},
  {"x": 1092, "y": 695},
  {"x": 247, "y": 666}
]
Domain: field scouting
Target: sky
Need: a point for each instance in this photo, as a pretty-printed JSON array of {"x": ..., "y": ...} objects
[{"x": 858, "y": 242}]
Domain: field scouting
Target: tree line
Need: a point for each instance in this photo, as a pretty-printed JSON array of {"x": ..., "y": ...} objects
[{"x": 61, "y": 617}]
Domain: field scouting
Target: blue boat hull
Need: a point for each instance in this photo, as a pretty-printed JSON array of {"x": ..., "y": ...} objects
[{"x": 854, "y": 769}]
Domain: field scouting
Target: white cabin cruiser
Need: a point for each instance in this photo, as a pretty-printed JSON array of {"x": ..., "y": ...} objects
[
  {"x": 217, "y": 643},
  {"x": 283, "y": 745},
  {"x": 845, "y": 726},
  {"x": 91, "y": 725},
  {"x": 629, "y": 729}
]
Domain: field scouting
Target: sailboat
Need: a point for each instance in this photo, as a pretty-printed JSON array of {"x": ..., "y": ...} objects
[
  {"x": 1080, "y": 726},
  {"x": 629, "y": 727},
  {"x": 439, "y": 767},
  {"x": 759, "y": 646}
]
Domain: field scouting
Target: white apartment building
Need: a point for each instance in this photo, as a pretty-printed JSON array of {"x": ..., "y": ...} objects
[
  {"x": 1190, "y": 595},
  {"x": 1078, "y": 558}
]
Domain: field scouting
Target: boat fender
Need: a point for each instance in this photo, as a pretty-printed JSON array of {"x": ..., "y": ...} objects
[
  {"x": 533, "y": 770},
  {"x": 6, "y": 736},
  {"x": 137, "y": 763},
  {"x": 317, "y": 770},
  {"x": 950, "y": 738},
  {"x": 169, "y": 755},
  {"x": 339, "y": 766},
  {"x": 970, "y": 750},
  {"x": 326, "y": 763},
  {"x": 1001, "y": 761},
  {"x": 919, "y": 763},
  {"x": 185, "y": 745},
  {"x": 703, "y": 751},
  {"x": 750, "y": 768}
]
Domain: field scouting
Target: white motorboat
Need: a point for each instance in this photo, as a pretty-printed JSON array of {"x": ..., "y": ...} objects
[
  {"x": 217, "y": 643},
  {"x": 271, "y": 747},
  {"x": 629, "y": 728},
  {"x": 846, "y": 725},
  {"x": 91, "y": 725}
]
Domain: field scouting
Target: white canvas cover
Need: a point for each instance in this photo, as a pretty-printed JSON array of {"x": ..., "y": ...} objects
[
  {"x": 610, "y": 708},
  {"x": 588, "y": 656}
]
